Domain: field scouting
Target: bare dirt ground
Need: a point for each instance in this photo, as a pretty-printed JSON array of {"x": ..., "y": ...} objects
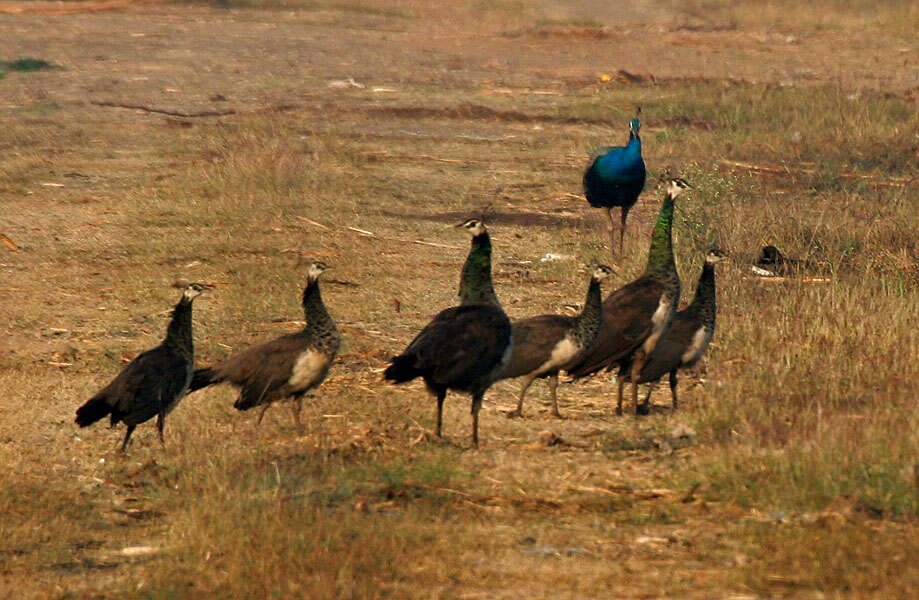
[{"x": 186, "y": 141}]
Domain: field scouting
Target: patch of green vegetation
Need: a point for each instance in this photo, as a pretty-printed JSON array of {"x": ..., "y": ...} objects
[
  {"x": 39, "y": 108},
  {"x": 893, "y": 15},
  {"x": 25, "y": 65},
  {"x": 435, "y": 470},
  {"x": 807, "y": 475}
]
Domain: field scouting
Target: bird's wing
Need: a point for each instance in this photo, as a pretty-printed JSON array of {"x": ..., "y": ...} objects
[
  {"x": 534, "y": 340},
  {"x": 153, "y": 381},
  {"x": 668, "y": 352},
  {"x": 266, "y": 366},
  {"x": 461, "y": 343},
  {"x": 626, "y": 324}
]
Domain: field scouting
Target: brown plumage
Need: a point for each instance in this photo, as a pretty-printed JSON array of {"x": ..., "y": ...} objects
[
  {"x": 154, "y": 382},
  {"x": 637, "y": 315},
  {"x": 547, "y": 344},
  {"x": 466, "y": 347},
  {"x": 688, "y": 337},
  {"x": 286, "y": 367},
  {"x": 463, "y": 348}
]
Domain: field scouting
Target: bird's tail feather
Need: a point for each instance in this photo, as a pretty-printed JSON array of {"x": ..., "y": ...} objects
[
  {"x": 203, "y": 378},
  {"x": 401, "y": 370},
  {"x": 95, "y": 408}
]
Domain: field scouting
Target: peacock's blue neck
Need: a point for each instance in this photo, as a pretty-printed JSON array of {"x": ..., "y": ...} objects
[{"x": 634, "y": 145}]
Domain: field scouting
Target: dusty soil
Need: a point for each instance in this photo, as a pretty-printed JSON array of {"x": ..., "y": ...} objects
[{"x": 138, "y": 80}]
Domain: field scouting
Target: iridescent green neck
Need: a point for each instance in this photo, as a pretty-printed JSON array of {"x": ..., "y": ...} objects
[
  {"x": 660, "y": 256},
  {"x": 475, "y": 282}
]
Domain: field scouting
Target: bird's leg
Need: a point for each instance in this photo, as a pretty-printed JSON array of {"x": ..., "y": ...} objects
[
  {"x": 295, "y": 406},
  {"x": 638, "y": 362},
  {"x": 673, "y": 381},
  {"x": 441, "y": 394},
  {"x": 611, "y": 228},
  {"x": 619, "y": 396},
  {"x": 262, "y": 414},
  {"x": 650, "y": 389},
  {"x": 476, "y": 405},
  {"x": 127, "y": 437},
  {"x": 623, "y": 215},
  {"x": 527, "y": 382},
  {"x": 160, "y": 424},
  {"x": 553, "y": 391},
  {"x": 161, "y": 420},
  {"x": 261, "y": 398}
]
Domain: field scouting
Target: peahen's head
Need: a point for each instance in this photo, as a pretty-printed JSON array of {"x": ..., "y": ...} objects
[
  {"x": 475, "y": 227},
  {"x": 601, "y": 272},
  {"x": 677, "y": 186},
  {"x": 193, "y": 290},
  {"x": 770, "y": 255},
  {"x": 315, "y": 269},
  {"x": 715, "y": 256}
]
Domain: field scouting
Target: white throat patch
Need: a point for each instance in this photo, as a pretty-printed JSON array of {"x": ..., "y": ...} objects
[
  {"x": 658, "y": 320},
  {"x": 700, "y": 340}
]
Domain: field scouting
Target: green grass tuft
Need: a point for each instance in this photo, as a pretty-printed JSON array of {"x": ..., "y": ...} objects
[{"x": 26, "y": 65}]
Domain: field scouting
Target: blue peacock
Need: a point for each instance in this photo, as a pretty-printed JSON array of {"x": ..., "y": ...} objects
[{"x": 616, "y": 177}]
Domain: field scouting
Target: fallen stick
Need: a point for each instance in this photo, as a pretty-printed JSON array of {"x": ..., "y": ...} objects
[
  {"x": 590, "y": 488},
  {"x": 9, "y": 243},
  {"x": 370, "y": 234},
  {"x": 387, "y": 155},
  {"x": 171, "y": 113},
  {"x": 314, "y": 223},
  {"x": 435, "y": 244},
  {"x": 361, "y": 231},
  {"x": 783, "y": 279}
]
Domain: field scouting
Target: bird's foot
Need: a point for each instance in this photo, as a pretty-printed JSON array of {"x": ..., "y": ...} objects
[
  {"x": 557, "y": 414},
  {"x": 516, "y": 413},
  {"x": 425, "y": 436},
  {"x": 643, "y": 409}
]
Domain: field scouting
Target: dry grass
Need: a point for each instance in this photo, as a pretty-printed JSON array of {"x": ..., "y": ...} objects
[
  {"x": 898, "y": 16},
  {"x": 802, "y": 477}
]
